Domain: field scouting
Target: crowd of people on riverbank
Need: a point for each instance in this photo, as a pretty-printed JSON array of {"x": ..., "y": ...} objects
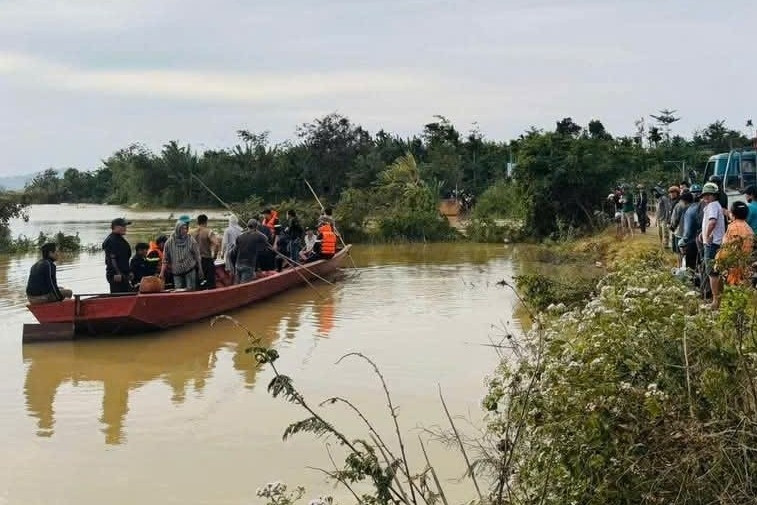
[
  {"x": 186, "y": 259},
  {"x": 713, "y": 243}
]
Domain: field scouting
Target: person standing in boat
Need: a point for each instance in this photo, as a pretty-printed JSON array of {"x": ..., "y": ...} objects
[
  {"x": 248, "y": 246},
  {"x": 229, "y": 242},
  {"x": 270, "y": 220},
  {"x": 328, "y": 217},
  {"x": 182, "y": 254},
  {"x": 42, "y": 286},
  {"x": 266, "y": 259},
  {"x": 207, "y": 240},
  {"x": 326, "y": 240},
  {"x": 117, "y": 256},
  {"x": 295, "y": 233}
]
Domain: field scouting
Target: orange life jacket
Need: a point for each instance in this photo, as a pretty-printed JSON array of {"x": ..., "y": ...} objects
[
  {"x": 154, "y": 251},
  {"x": 270, "y": 222},
  {"x": 328, "y": 240}
]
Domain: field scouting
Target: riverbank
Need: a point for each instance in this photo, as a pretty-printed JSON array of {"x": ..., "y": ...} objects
[{"x": 637, "y": 380}]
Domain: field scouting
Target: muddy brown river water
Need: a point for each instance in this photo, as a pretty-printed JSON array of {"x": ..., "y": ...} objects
[{"x": 183, "y": 416}]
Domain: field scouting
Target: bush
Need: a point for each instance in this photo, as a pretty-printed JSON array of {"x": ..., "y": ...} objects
[
  {"x": 489, "y": 230},
  {"x": 541, "y": 291},
  {"x": 638, "y": 396},
  {"x": 23, "y": 244},
  {"x": 401, "y": 207},
  {"x": 503, "y": 199}
]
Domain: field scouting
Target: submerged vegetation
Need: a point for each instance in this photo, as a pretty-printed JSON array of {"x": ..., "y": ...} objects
[{"x": 542, "y": 184}]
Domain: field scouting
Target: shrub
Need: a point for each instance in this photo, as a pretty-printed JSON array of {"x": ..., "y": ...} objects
[
  {"x": 494, "y": 231},
  {"x": 541, "y": 291},
  {"x": 638, "y": 396},
  {"x": 401, "y": 206},
  {"x": 503, "y": 199}
]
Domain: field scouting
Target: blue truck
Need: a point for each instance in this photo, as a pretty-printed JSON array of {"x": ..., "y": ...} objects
[{"x": 737, "y": 169}]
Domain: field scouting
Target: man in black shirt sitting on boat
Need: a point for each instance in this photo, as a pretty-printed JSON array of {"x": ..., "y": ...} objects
[{"x": 42, "y": 286}]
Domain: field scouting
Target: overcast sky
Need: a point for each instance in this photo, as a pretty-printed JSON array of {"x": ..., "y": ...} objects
[{"x": 82, "y": 78}]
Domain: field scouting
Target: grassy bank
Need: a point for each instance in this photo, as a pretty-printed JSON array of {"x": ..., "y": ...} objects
[{"x": 633, "y": 394}]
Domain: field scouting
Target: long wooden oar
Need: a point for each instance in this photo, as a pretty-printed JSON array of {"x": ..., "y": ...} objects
[
  {"x": 301, "y": 275},
  {"x": 323, "y": 209},
  {"x": 292, "y": 262}
]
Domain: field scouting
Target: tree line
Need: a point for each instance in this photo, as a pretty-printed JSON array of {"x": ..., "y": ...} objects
[{"x": 558, "y": 176}]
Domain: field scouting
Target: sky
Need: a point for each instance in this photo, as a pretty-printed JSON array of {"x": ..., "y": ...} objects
[{"x": 80, "y": 79}]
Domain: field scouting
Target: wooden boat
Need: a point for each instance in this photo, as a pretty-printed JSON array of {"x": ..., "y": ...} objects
[{"x": 136, "y": 313}]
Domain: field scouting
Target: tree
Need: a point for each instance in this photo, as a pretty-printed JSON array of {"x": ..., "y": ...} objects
[
  {"x": 718, "y": 137},
  {"x": 566, "y": 126},
  {"x": 654, "y": 136},
  {"x": 597, "y": 130},
  {"x": 46, "y": 187},
  {"x": 332, "y": 143},
  {"x": 641, "y": 129},
  {"x": 442, "y": 160},
  {"x": 563, "y": 177},
  {"x": 11, "y": 207}
]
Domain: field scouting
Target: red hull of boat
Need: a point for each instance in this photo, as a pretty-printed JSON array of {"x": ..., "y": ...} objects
[{"x": 154, "y": 311}]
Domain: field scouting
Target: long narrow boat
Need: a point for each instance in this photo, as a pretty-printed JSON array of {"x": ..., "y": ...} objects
[{"x": 136, "y": 313}]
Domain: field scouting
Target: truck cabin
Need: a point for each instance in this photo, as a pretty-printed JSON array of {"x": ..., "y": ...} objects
[{"x": 737, "y": 169}]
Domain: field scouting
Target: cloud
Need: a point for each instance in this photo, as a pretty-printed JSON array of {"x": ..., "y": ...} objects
[{"x": 207, "y": 85}]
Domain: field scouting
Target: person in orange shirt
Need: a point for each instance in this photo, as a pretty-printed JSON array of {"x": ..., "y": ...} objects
[
  {"x": 270, "y": 220},
  {"x": 735, "y": 253}
]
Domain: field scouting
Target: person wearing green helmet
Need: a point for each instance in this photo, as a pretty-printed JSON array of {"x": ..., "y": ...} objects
[
  {"x": 713, "y": 230},
  {"x": 722, "y": 198}
]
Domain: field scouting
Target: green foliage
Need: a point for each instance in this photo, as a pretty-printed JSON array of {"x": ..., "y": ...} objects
[
  {"x": 638, "y": 396},
  {"x": 400, "y": 206},
  {"x": 560, "y": 176},
  {"x": 503, "y": 199},
  {"x": 495, "y": 231},
  {"x": 23, "y": 244},
  {"x": 542, "y": 292},
  {"x": 11, "y": 207}
]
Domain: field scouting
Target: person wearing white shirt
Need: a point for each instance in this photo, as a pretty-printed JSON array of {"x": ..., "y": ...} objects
[{"x": 713, "y": 230}]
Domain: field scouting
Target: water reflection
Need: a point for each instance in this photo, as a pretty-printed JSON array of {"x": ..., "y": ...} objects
[{"x": 183, "y": 359}]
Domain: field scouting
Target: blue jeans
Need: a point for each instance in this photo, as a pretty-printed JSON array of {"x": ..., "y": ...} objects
[
  {"x": 186, "y": 281},
  {"x": 294, "y": 250},
  {"x": 245, "y": 273},
  {"x": 709, "y": 258}
]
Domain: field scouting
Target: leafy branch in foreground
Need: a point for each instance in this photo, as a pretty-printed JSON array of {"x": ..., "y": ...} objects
[{"x": 367, "y": 460}]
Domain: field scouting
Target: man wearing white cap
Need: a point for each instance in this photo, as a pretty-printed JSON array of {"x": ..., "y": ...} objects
[{"x": 713, "y": 229}]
